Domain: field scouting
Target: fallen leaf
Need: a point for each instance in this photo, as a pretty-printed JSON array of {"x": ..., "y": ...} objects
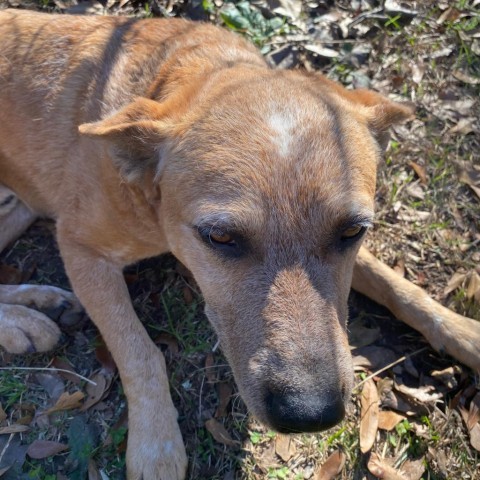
[
  {"x": 414, "y": 469},
  {"x": 44, "y": 448},
  {"x": 373, "y": 357},
  {"x": 95, "y": 393},
  {"x": 399, "y": 267},
  {"x": 387, "y": 420},
  {"x": 424, "y": 393},
  {"x": 9, "y": 275},
  {"x": 447, "y": 376},
  {"x": 418, "y": 70},
  {"x": 3, "y": 415},
  {"x": 454, "y": 282},
  {"x": 464, "y": 126},
  {"x": 360, "y": 335},
  {"x": 286, "y": 8},
  {"x": 219, "y": 433},
  {"x": 470, "y": 175},
  {"x": 13, "y": 429},
  {"x": 169, "y": 341},
  {"x": 63, "y": 364},
  {"x": 475, "y": 437},
  {"x": 267, "y": 459},
  {"x": 210, "y": 372},
  {"x": 368, "y": 415},
  {"x": 284, "y": 447},
  {"x": 12, "y": 455},
  {"x": 67, "y": 401},
  {"x": 322, "y": 51},
  {"x": 103, "y": 355},
  {"x": 52, "y": 384},
  {"x": 378, "y": 467},
  {"x": 332, "y": 466},
  {"x": 83, "y": 438},
  {"x": 187, "y": 295},
  {"x": 93, "y": 471},
  {"x": 473, "y": 285},
  {"x": 224, "y": 391},
  {"x": 465, "y": 77}
]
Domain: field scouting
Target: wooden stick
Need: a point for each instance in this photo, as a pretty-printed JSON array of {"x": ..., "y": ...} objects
[{"x": 445, "y": 330}]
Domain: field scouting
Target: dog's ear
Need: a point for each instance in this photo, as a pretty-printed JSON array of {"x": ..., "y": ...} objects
[
  {"x": 134, "y": 136},
  {"x": 380, "y": 112}
]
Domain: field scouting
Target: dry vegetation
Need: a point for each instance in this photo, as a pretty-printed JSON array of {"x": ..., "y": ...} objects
[{"x": 417, "y": 419}]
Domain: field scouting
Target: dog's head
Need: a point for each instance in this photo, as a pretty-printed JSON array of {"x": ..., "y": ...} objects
[{"x": 267, "y": 183}]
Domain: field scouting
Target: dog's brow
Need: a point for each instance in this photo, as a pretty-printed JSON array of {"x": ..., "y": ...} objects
[
  {"x": 365, "y": 219},
  {"x": 223, "y": 220}
]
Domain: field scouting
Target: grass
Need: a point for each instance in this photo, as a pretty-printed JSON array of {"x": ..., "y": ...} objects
[{"x": 170, "y": 307}]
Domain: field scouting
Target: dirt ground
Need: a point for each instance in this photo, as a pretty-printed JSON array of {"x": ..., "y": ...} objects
[{"x": 56, "y": 425}]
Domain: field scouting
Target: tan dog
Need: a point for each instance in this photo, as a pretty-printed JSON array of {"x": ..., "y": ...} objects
[{"x": 146, "y": 136}]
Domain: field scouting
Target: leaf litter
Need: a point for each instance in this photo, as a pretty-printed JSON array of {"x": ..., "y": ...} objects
[{"x": 429, "y": 228}]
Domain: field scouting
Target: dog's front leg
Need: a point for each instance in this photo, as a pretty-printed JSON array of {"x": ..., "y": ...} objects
[{"x": 155, "y": 447}]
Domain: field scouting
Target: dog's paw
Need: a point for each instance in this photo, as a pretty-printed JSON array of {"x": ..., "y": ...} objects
[
  {"x": 23, "y": 330},
  {"x": 156, "y": 451},
  {"x": 56, "y": 303}
]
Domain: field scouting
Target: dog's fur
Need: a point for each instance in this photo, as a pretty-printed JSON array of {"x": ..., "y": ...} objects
[{"x": 146, "y": 136}]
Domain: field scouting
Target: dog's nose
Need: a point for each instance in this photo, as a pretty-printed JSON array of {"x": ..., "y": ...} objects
[{"x": 297, "y": 412}]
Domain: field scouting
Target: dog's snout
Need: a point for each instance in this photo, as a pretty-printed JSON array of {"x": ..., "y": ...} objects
[{"x": 297, "y": 412}]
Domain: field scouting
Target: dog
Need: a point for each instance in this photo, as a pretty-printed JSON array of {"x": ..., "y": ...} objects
[{"x": 141, "y": 137}]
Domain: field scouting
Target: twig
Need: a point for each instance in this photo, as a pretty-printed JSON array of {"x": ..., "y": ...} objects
[
  {"x": 52, "y": 369},
  {"x": 396, "y": 362}
]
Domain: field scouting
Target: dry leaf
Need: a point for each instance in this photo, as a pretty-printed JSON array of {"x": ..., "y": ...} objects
[
  {"x": 399, "y": 267},
  {"x": 382, "y": 470},
  {"x": 63, "y": 364},
  {"x": 67, "y": 401},
  {"x": 468, "y": 174},
  {"x": 95, "y": 393},
  {"x": 3, "y": 415},
  {"x": 373, "y": 357},
  {"x": 210, "y": 368},
  {"x": 473, "y": 285},
  {"x": 169, "y": 341},
  {"x": 13, "y": 429},
  {"x": 9, "y": 275},
  {"x": 424, "y": 393},
  {"x": 475, "y": 437},
  {"x": 93, "y": 471},
  {"x": 447, "y": 376},
  {"x": 420, "y": 171},
  {"x": 387, "y": 420},
  {"x": 456, "y": 280},
  {"x": 219, "y": 433},
  {"x": 322, "y": 51},
  {"x": 187, "y": 295},
  {"x": 414, "y": 469},
  {"x": 104, "y": 357},
  {"x": 224, "y": 390},
  {"x": 368, "y": 415},
  {"x": 332, "y": 466},
  {"x": 465, "y": 77},
  {"x": 284, "y": 447},
  {"x": 464, "y": 126},
  {"x": 52, "y": 383},
  {"x": 44, "y": 448}
]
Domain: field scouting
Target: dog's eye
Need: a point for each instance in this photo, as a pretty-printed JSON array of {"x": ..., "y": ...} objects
[
  {"x": 228, "y": 244},
  {"x": 222, "y": 238},
  {"x": 353, "y": 232}
]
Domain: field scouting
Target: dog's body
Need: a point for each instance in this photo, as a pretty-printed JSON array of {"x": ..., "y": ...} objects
[{"x": 261, "y": 182}]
